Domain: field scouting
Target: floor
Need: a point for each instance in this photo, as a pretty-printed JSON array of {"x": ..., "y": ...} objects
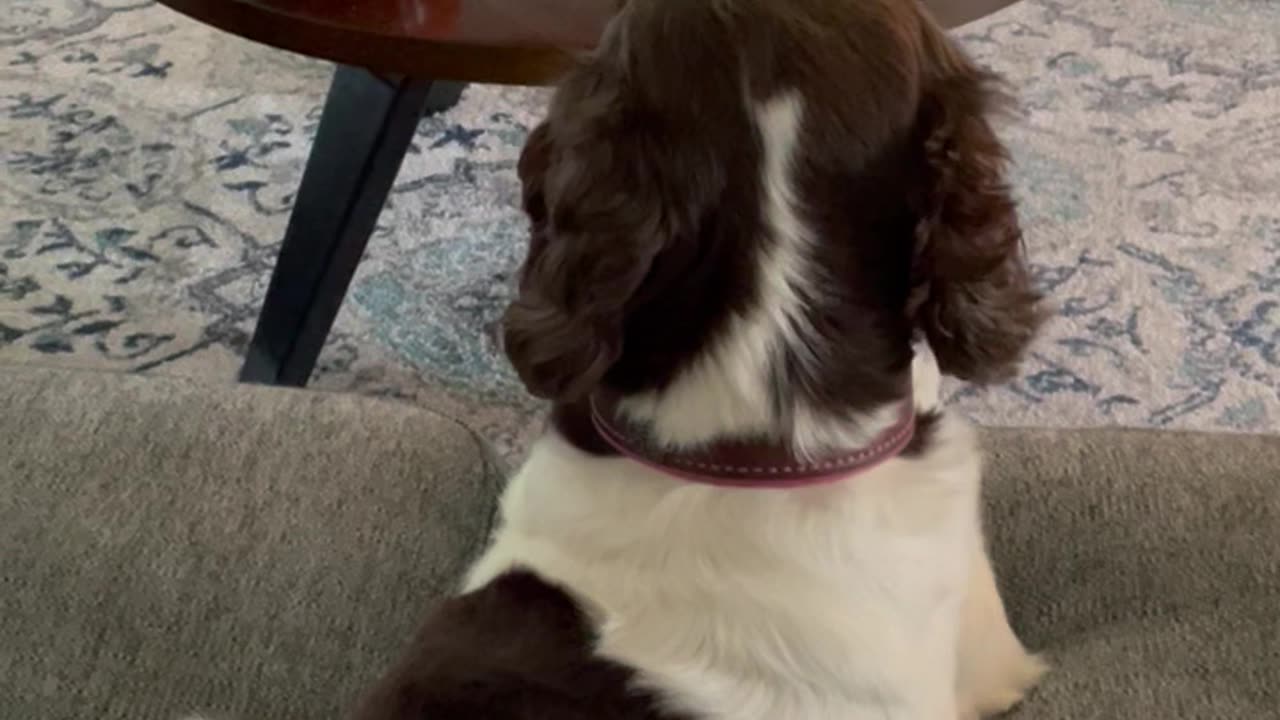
[{"x": 147, "y": 166}]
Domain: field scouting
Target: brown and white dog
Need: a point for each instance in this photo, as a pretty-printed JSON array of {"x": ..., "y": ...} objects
[{"x": 762, "y": 230}]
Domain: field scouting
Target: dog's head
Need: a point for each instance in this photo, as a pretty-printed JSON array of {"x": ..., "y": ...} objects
[{"x": 716, "y": 155}]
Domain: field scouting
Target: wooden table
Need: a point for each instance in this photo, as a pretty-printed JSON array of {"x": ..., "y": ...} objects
[{"x": 396, "y": 60}]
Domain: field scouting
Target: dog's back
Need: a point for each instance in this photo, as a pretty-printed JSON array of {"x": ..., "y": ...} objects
[{"x": 835, "y": 601}]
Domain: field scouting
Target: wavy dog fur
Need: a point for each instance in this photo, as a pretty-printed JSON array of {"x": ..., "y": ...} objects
[{"x": 749, "y": 218}]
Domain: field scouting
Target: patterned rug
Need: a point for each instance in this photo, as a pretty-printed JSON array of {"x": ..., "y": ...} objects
[{"x": 147, "y": 166}]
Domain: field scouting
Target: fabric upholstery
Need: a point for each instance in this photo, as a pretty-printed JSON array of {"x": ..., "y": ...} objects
[{"x": 260, "y": 554}]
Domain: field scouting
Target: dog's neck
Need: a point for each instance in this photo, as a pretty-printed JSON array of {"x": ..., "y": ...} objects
[
  {"x": 572, "y": 421},
  {"x": 580, "y": 424}
]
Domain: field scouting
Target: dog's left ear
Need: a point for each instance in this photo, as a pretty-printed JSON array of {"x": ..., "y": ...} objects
[
  {"x": 604, "y": 197},
  {"x": 619, "y": 171},
  {"x": 592, "y": 243},
  {"x": 973, "y": 298}
]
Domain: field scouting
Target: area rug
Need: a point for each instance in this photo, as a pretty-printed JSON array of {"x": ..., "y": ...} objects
[{"x": 147, "y": 166}]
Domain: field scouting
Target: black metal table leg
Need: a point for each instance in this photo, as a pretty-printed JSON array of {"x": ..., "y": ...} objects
[
  {"x": 444, "y": 95},
  {"x": 365, "y": 131}
]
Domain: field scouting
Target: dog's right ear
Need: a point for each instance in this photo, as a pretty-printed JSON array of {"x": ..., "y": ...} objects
[{"x": 975, "y": 299}]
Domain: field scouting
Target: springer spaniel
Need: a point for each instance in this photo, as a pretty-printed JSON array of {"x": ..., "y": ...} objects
[{"x": 762, "y": 230}]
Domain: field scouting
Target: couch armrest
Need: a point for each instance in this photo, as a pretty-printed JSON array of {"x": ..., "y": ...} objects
[{"x": 170, "y": 546}]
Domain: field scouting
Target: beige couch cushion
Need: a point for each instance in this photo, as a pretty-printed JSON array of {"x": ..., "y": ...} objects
[
  {"x": 168, "y": 546},
  {"x": 1147, "y": 565},
  {"x": 262, "y": 553}
]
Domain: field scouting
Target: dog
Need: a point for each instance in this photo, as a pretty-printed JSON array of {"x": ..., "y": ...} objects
[{"x": 761, "y": 232}]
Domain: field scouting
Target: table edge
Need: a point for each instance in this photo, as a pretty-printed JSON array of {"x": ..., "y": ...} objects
[{"x": 432, "y": 59}]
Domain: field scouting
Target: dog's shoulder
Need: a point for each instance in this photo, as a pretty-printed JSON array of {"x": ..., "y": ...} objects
[{"x": 517, "y": 648}]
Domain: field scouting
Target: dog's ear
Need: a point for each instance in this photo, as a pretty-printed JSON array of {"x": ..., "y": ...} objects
[
  {"x": 590, "y": 249},
  {"x": 607, "y": 185},
  {"x": 974, "y": 299},
  {"x": 535, "y": 158}
]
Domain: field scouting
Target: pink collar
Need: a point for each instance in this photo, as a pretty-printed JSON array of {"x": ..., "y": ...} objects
[{"x": 751, "y": 464}]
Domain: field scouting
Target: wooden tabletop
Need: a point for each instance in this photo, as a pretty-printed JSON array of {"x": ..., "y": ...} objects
[{"x": 493, "y": 41}]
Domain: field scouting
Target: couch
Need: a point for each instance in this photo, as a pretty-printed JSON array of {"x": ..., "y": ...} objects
[{"x": 169, "y": 547}]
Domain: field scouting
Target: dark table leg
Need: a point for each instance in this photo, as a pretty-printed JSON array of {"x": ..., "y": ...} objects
[
  {"x": 444, "y": 94},
  {"x": 365, "y": 131}
]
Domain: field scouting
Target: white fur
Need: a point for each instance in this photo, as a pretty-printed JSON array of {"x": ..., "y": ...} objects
[
  {"x": 841, "y": 601},
  {"x": 727, "y": 390},
  {"x": 851, "y": 600},
  {"x": 926, "y": 379}
]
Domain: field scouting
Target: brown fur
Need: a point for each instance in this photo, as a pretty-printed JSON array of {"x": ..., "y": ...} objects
[
  {"x": 643, "y": 191},
  {"x": 517, "y": 649}
]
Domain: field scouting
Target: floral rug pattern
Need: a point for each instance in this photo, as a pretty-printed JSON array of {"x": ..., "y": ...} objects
[{"x": 148, "y": 164}]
